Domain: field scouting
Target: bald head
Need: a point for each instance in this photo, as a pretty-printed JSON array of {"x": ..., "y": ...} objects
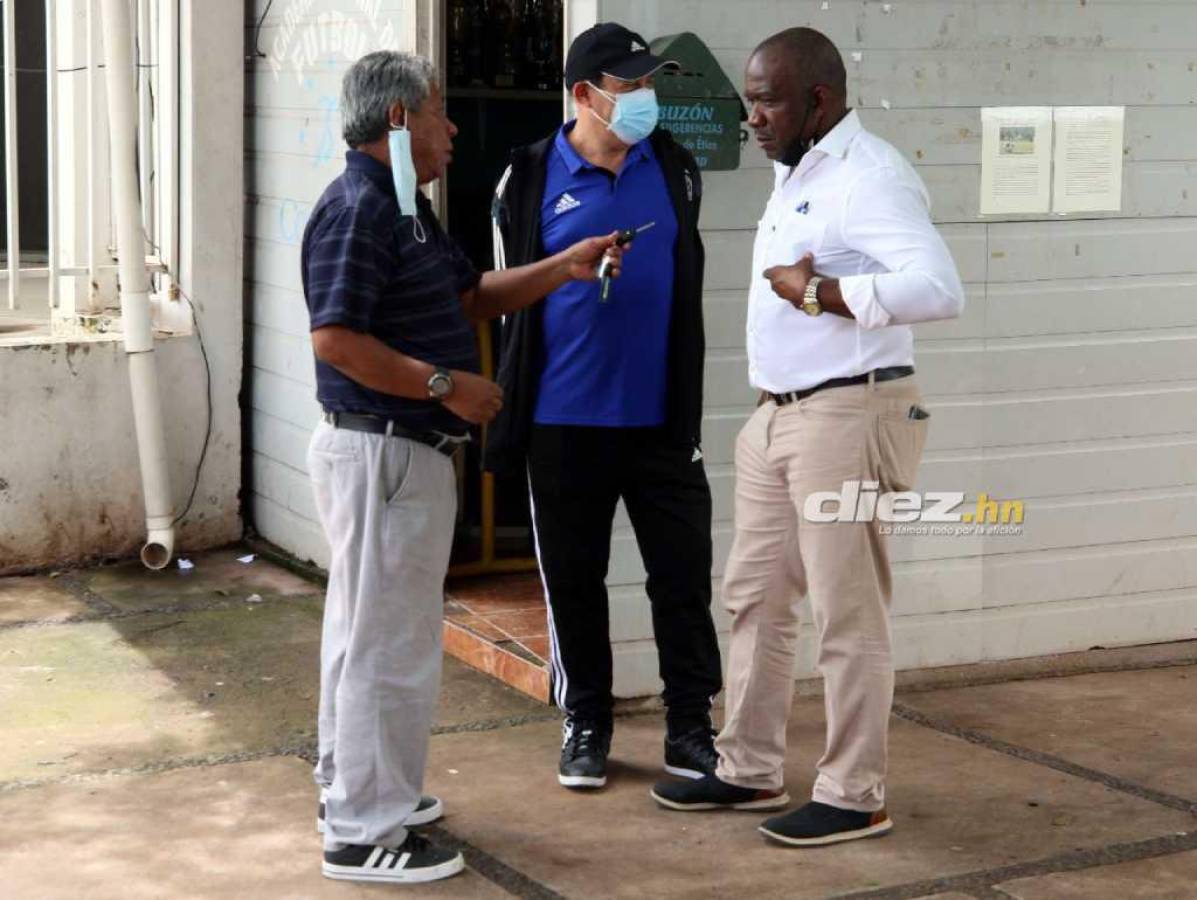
[
  {"x": 796, "y": 90},
  {"x": 809, "y": 57}
]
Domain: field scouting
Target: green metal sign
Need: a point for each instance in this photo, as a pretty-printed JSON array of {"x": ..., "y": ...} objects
[{"x": 699, "y": 103}]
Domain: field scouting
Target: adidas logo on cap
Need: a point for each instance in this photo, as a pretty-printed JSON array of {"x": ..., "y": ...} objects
[
  {"x": 636, "y": 46},
  {"x": 565, "y": 204}
]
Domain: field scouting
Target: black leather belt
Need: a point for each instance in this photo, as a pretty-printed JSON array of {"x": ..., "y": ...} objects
[
  {"x": 889, "y": 373},
  {"x": 445, "y": 443}
]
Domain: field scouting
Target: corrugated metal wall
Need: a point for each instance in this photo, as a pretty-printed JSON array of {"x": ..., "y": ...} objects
[{"x": 1071, "y": 380}]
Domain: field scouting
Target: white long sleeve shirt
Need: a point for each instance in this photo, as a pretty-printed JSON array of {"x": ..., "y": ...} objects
[{"x": 864, "y": 213}]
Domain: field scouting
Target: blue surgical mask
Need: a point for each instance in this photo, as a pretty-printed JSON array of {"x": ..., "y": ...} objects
[
  {"x": 635, "y": 116},
  {"x": 403, "y": 171}
]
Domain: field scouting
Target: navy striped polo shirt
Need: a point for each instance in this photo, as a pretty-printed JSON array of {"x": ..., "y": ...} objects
[{"x": 364, "y": 269}]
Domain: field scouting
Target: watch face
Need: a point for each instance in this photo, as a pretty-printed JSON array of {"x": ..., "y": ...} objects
[
  {"x": 440, "y": 385},
  {"x": 812, "y": 307}
]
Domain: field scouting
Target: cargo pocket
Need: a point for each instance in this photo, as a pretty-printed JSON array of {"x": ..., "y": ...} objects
[{"x": 900, "y": 441}]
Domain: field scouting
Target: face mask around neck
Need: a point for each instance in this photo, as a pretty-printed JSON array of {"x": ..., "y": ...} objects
[
  {"x": 636, "y": 114},
  {"x": 403, "y": 172},
  {"x": 792, "y": 154}
]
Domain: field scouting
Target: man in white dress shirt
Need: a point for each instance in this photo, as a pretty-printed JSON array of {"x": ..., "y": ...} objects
[{"x": 845, "y": 261}]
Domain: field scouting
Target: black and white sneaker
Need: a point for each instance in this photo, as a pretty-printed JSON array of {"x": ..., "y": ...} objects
[
  {"x": 584, "y": 750},
  {"x": 708, "y": 792},
  {"x": 817, "y": 825},
  {"x": 691, "y": 754},
  {"x": 427, "y": 811},
  {"x": 415, "y": 860}
]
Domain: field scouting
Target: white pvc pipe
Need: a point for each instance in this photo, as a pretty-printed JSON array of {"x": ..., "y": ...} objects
[
  {"x": 12, "y": 193},
  {"x": 134, "y": 284},
  {"x": 52, "y": 154}
]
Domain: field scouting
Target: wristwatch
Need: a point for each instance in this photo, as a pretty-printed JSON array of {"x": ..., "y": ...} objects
[
  {"x": 810, "y": 297},
  {"x": 440, "y": 385}
]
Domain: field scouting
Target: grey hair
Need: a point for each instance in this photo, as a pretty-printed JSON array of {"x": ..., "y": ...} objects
[{"x": 374, "y": 84}]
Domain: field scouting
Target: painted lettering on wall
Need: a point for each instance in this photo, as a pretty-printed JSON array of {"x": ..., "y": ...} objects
[{"x": 303, "y": 38}]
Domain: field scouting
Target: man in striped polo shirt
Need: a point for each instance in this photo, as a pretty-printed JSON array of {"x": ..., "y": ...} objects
[{"x": 391, "y": 298}]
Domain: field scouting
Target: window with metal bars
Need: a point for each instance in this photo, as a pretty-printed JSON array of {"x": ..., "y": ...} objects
[{"x": 57, "y": 247}]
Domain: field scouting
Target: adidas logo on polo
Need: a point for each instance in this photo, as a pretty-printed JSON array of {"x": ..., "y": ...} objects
[{"x": 565, "y": 204}]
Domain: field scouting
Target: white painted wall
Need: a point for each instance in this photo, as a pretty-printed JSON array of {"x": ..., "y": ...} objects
[
  {"x": 1071, "y": 380},
  {"x": 70, "y": 488}
]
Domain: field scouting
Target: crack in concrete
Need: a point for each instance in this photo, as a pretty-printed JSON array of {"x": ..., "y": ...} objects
[
  {"x": 492, "y": 868},
  {"x": 301, "y": 750},
  {"x": 75, "y": 585},
  {"x": 116, "y": 614},
  {"x": 977, "y": 882},
  {"x": 305, "y": 750},
  {"x": 1113, "y": 782}
]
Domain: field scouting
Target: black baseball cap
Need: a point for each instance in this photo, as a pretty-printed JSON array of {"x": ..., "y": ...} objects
[{"x": 610, "y": 49}]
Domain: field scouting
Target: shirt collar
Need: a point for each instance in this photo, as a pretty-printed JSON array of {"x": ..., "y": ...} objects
[
  {"x": 574, "y": 160},
  {"x": 379, "y": 173},
  {"x": 837, "y": 141}
]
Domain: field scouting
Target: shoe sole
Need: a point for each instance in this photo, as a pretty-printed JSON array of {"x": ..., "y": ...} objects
[
  {"x": 416, "y": 819},
  {"x": 692, "y": 774},
  {"x": 872, "y": 831},
  {"x": 779, "y": 802},
  {"x": 394, "y": 876},
  {"x": 582, "y": 781}
]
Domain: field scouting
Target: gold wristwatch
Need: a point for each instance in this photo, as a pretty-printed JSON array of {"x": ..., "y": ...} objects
[{"x": 810, "y": 297}]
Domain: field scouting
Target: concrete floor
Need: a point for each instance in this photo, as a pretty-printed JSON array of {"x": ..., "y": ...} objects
[{"x": 154, "y": 729}]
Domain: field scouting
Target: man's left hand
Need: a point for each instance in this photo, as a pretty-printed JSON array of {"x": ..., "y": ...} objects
[
  {"x": 582, "y": 260},
  {"x": 789, "y": 282}
]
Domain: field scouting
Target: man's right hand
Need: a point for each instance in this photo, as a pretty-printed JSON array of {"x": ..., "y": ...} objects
[{"x": 474, "y": 398}]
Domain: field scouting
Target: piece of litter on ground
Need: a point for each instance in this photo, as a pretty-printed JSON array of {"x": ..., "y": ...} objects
[
  {"x": 826, "y": 5},
  {"x": 248, "y": 558},
  {"x": 857, "y": 56},
  {"x": 254, "y": 598},
  {"x": 268, "y": 678},
  {"x": 220, "y": 684},
  {"x": 887, "y": 8},
  {"x": 454, "y": 772},
  {"x": 185, "y": 564},
  {"x": 885, "y": 104}
]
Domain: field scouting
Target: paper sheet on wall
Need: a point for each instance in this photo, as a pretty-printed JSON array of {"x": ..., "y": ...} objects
[
  {"x": 1016, "y": 159},
  {"x": 1088, "y": 159}
]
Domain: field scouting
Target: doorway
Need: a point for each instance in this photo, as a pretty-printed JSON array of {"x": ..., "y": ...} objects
[{"x": 502, "y": 65}]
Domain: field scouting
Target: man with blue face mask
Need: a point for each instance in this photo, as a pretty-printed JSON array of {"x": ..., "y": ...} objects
[{"x": 604, "y": 398}]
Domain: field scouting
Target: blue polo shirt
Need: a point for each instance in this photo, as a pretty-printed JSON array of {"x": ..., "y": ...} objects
[
  {"x": 363, "y": 269},
  {"x": 605, "y": 363}
]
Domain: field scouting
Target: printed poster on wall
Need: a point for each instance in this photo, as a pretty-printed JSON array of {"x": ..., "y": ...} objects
[
  {"x": 1016, "y": 159},
  {"x": 1088, "y": 159}
]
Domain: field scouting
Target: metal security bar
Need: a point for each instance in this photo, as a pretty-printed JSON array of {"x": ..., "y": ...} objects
[{"x": 78, "y": 270}]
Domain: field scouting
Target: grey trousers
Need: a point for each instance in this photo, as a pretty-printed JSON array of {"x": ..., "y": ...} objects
[{"x": 387, "y": 505}]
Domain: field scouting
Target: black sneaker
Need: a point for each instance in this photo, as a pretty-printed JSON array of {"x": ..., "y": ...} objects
[
  {"x": 708, "y": 792},
  {"x": 584, "y": 750},
  {"x": 692, "y": 754},
  {"x": 415, "y": 860},
  {"x": 817, "y": 824},
  {"x": 427, "y": 811}
]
